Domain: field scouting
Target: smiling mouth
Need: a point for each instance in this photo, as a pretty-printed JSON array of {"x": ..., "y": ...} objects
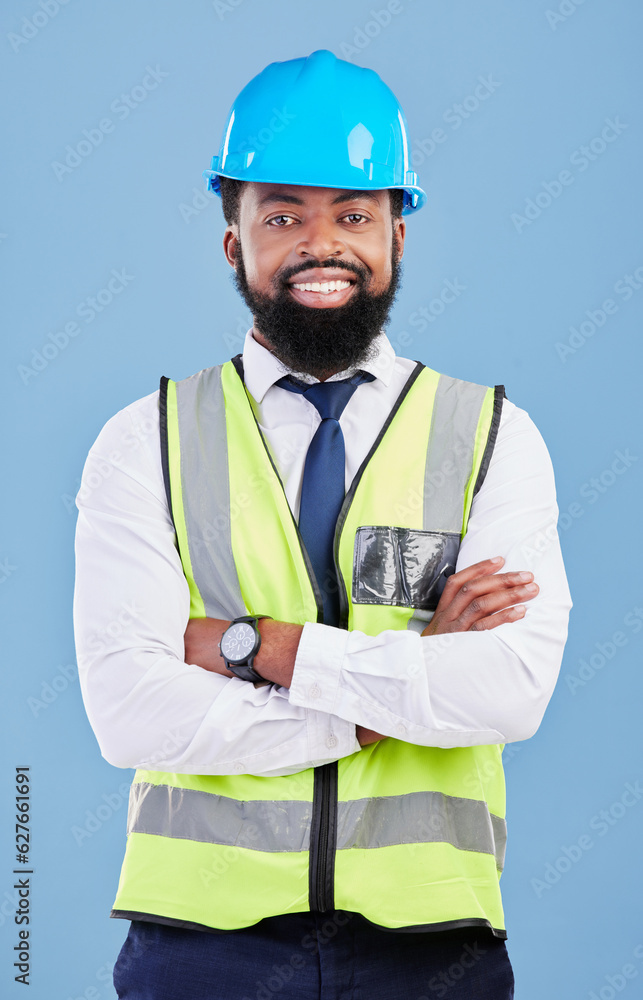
[
  {"x": 321, "y": 294},
  {"x": 324, "y": 287}
]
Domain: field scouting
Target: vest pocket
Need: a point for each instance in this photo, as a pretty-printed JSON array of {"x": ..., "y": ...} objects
[{"x": 402, "y": 566}]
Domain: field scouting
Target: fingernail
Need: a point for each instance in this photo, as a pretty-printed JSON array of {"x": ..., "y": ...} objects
[
  {"x": 519, "y": 609},
  {"x": 526, "y": 576},
  {"x": 497, "y": 559},
  {"x": 531, "y": 588}
]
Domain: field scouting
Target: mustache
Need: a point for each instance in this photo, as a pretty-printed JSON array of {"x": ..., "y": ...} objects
[{"x": 360, "y": 274}]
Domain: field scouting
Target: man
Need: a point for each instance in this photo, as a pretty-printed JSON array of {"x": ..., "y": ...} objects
[{"x": 269, "y": 624}]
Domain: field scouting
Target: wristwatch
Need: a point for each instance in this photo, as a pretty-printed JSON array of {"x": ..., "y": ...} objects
[{"x": 240, "y": 644}]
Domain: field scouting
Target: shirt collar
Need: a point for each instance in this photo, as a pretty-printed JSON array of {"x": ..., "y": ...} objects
[{"x": 262, "y": 368}]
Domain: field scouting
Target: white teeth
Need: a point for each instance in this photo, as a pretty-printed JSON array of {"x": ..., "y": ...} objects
[{"x": 325, "y": 287}]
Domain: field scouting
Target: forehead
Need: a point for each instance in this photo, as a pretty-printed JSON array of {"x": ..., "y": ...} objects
[{"x": 260, "y": 196}]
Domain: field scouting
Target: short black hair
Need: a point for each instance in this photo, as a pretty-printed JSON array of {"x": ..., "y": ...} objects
[{"x": 231, "y": 197}]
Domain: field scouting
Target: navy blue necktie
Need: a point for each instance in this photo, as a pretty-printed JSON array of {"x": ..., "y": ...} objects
[{"x": 322, "y": 491}]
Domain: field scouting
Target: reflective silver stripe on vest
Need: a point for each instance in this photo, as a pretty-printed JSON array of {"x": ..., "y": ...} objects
[
  {"x": 500, "y": 839},
  {"x": 449, "y": 461},
  {"x": 456, "y": 412},
  {"x": 284, "y": 826},
  {"x": 206, "y": 492},
  {"x": 418, "y": 818},
  {"x": 189, "y": 814}
]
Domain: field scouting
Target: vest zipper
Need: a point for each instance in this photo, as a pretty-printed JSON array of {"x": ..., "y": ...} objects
[{"x": 323, "y": 838}]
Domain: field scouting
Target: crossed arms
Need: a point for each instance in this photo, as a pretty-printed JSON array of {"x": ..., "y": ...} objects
[
  {"x": 474, "y": 599},
  {"x": 155, "y": 702}
]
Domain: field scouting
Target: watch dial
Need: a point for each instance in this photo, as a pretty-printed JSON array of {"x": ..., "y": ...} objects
[{"x": 238, "y": 642}]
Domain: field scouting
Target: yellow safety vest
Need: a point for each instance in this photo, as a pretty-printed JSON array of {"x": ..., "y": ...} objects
[{"x": 407, "y": 835}]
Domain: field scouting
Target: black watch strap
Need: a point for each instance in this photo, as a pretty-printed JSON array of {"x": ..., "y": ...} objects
[{"x": 245, "y": 672}]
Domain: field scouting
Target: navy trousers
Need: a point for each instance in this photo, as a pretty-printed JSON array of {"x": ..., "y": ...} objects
[{"x": 311, "y": 956}]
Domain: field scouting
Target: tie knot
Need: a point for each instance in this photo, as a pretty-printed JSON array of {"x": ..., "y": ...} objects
[{"x": 329, "y": 398}]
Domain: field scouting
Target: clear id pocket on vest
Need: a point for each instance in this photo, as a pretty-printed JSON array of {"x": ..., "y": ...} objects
[{"x": 402, "y": 566}]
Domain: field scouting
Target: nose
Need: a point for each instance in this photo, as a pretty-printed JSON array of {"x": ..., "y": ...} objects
[{"x": 320, "y": 238}]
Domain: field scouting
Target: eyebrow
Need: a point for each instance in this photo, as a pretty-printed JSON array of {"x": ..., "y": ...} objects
[{"x": 291, "y": 199}]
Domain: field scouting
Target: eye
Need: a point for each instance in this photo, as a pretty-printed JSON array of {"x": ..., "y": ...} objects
[
  {"x": 276, "y": 219},
  {"x": 356, "y": 215}
]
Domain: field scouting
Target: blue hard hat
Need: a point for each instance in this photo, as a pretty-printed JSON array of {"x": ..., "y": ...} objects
[{"x": 320, "y": 122}]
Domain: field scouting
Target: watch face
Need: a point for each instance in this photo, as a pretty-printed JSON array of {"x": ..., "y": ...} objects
[{"x": 238, "y": 642}]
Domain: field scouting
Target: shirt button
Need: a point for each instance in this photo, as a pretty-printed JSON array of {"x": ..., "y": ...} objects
[
  {"x": 314, "y": 691},
  {"x": 238, "y": 766},
  {"x": 331, "y": 741},
  {"x": 400, "y": 729}
]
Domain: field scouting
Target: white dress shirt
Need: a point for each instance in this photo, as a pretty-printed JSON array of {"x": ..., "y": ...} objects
[{"x": 150, "y": 709}]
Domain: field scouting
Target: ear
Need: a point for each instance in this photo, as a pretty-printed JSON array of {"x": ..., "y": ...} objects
[
  {"x": 231, "y": 244},
  {"x": 399, "y": 235}
]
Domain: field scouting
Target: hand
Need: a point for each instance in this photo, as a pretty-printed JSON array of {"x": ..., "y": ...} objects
[
  {"x": 202, "y": 638},
  {"x": 366, "y": 736},
  {"x": 479, "y": 598}
]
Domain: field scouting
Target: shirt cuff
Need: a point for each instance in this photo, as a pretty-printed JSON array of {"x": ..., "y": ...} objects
[
  {"x": 314, "y": 686},
  {"x": 318, "y": 666}
]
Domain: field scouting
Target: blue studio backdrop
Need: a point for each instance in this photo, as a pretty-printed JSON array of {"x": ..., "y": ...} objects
[{"x": 526, "y": 134}]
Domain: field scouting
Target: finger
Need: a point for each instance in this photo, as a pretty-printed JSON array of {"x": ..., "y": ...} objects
[
  {"x": 513, "y": 614},
  {"x": 484, "y": 568},
  {"x": 476, "y": 591},
  {"x": 489, "y": 604}
]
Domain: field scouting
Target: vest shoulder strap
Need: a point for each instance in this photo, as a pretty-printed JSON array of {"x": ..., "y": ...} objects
[
  {"x": 190, "y": 408},
  {"x": 499, "y": 395}
]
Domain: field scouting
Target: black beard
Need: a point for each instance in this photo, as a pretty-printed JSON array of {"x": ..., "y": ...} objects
[{"x": 320, "y": 342}]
